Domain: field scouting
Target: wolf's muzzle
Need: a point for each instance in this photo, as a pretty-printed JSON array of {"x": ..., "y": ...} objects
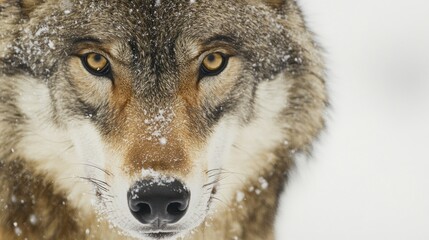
[{"x": 157, "y": 202}]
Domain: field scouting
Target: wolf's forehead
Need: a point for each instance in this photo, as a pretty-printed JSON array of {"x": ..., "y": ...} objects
[
  {"x": 161, "y": 20},
  {"x": 154, "y": 28},
  {"x": 156, "y": 15}
]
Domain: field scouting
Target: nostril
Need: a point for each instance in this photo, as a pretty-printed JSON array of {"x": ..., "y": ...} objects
[
  {"x": 176, "y": 208},
  {"x": 143, "y": 209}
]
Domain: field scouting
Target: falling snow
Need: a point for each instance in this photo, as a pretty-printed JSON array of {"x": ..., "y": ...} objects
[
  {"x": 263, "y": 183},
  {"x": 163, "y": 140},
  {"x": 239, "y": 196},
  {"x": 33, "y": 219},
  {"x": 17, "y": 230}
]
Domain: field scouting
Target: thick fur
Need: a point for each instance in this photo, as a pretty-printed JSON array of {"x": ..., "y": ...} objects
[{"x": 72, "y": 144}]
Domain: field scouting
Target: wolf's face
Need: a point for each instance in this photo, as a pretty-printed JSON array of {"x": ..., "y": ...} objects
[{"x": 160, "y": 99}]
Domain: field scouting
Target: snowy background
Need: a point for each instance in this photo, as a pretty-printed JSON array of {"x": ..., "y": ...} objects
[{"x": 369, "y": 177}]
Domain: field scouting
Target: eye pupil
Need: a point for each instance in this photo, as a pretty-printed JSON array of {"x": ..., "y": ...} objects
[
  {"x": 97, "y": 57},
  {"x": 96, "y": 64},
  {"x": 213, "y": 64},
  {"x": 211, "y": 58}
]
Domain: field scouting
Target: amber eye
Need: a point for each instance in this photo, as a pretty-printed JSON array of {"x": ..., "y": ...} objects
[
  {"x": 96, "y": 64},
  {"x": 213, "y": 64}
]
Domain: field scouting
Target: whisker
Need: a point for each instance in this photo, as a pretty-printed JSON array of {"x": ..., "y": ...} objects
[
  {"x": 214, "y": 169},
  {"x": 101, "y": 185},
  {"x": 219, "y": 200},
  {"x": 211, "y": 183},
  {"x": 97, "y": 167}
]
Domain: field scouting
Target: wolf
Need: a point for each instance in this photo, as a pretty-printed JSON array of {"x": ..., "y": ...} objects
[{"x": 149, "y": 119}]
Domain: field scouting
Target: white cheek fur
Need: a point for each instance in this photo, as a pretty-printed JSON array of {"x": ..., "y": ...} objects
[{"x": 50, "y": 148}]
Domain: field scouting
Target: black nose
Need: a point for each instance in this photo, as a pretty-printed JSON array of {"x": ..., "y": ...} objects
[{"x": 158, "y": 203}]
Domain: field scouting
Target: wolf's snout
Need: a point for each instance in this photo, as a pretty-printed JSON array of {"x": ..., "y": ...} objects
[{"x": 158, "y": 202}]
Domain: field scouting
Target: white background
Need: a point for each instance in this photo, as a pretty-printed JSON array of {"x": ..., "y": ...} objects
[{"x": 369, "y": 176}]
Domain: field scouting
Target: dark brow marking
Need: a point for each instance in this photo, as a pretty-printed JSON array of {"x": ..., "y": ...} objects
[
  {"x": 86, "y": 40},
  {"x": 220, "y": 38},
  {"x": 208, "y": 44}
]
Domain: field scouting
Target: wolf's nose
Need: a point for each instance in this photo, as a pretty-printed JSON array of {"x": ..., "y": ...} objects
[{"x": 158, "y": 203}]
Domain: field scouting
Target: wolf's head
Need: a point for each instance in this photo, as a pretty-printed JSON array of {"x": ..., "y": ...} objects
[{"x": 152, "y": 102}]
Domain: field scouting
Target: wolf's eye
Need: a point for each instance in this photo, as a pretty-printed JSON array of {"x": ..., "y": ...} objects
[
  {"x": 213, "y": 64},
  {"x": 96, "y": 64}
]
